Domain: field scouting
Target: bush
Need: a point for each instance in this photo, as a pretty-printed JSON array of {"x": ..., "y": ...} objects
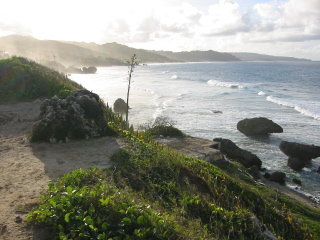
[
  {"x": 23, "y": 80},
  {"x": 162, "y": 126}
]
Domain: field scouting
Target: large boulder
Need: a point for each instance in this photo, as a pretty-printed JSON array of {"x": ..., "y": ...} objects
[
  {"x": 232, "y": 151},
  {"x": 120, "y": 106},
  {"x": 299, "y": 154},
  {"x": 79, "y": 116},
  {"x": 258, "y": 126}
]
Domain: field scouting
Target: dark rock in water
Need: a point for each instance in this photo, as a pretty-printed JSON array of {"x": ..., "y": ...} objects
[
  {"x": 231, "y": 150},
  {"x": 299, "y": 154},
  {"x": 89, "y": 70},
  {"x": 277, "y": 177},
  {"x": 258, "y": 126},
  {"x": 296, "y": 164},
  {"x": 301, "y": 151},
  {"x": 297, "y": 181},
  {"x": 120, "y": 106},
  {"x": 79, "y": 116}
]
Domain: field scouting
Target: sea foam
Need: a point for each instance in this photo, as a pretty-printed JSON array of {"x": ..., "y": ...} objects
[
  {"x": 308, "y": 108},
  {"x": 225, "y": 84}
]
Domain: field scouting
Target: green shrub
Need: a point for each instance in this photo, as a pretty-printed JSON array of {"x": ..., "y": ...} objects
[
  {"x": 22, "y": 80},
  {"x": 162, "y": 126}
]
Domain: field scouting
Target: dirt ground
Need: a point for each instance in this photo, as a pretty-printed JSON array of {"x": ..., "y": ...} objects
[{"x": 27, "y": 168}]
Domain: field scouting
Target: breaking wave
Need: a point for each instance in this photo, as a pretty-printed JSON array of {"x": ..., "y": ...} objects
[
  {"x": 308, "y": 108},
  {"x": 225, "y": 84}
]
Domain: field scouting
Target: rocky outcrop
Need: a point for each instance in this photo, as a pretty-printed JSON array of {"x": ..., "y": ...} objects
[
  {"x": 232, "y": 151},
  {"x": 89, "y": 70},
  {"x": 299, "y": 154},
  {"x": 120, "y": 106},
  {"x": 258, "y": 126},
  {"x": 79, "y": 116}
]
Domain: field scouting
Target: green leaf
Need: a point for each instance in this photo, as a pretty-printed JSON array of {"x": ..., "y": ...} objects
[
  {"x": 141, "y": 220},
  {"x": 67, "y": 217},
  {"x": 105, "y": 226},
  {"x": 126, "y": 221}
]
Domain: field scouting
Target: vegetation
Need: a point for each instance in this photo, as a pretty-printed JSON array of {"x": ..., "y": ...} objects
[
  {"x": 23, "y": 80},
  {"x": 154, "y": 193},
  {"x": 162, "y": 127}
]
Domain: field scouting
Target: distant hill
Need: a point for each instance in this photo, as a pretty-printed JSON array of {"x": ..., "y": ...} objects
[
  {"x": 199, "y": 56},
  {"x": 262, "y": 57},
  {"x": 124, "y": 53},
  {"x": 67, "y": 57},
  {"x": 43, "y": 51}
]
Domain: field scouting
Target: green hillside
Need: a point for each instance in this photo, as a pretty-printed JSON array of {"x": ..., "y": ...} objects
[
  {"x": 152, "y": 192},
  {"x": 23, "y": 80},
  {"x": 43, "y": 51}
]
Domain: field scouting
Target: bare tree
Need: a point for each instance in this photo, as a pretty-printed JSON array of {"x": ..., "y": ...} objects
[{"x": 131, "y": 65}]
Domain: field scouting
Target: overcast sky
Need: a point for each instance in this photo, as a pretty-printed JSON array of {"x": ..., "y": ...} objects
[{"x": 275, "y": 27}]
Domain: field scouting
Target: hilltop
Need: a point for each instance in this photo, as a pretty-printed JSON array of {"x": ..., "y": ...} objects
[{"x": 64, "y": 56}]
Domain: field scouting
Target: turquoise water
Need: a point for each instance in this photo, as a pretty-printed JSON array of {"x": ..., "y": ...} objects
[{"x": 188, "y": 93}]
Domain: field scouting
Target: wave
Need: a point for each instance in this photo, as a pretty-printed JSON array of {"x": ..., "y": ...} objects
[
  {"x": 261, "y": 93},
  {"x": 225, "y": 84},
  {"x": 308, "y": 108},
  {"x": 174, "y": 77}
]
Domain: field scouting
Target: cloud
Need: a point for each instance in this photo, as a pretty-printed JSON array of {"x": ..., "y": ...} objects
[
  {"x": 224, "y": 19},
  {"x": 290, "y": 21}
]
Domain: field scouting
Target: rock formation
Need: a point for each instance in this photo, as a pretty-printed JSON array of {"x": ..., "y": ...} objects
[
  {"x": 120, "y": 106},
  {"x": 79, "y": 116},
  {"x": 258, "y": 126},
  {"x": 232, "y": 151},
  {"x": 299, "y": 154}
]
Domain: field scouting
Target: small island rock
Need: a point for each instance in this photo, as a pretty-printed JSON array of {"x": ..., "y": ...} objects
[
  {"x": 258, "y": 126},
  {"x": 299, "y": 154}
]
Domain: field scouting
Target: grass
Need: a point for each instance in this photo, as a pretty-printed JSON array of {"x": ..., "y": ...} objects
[{"x": 153, "y": 192}]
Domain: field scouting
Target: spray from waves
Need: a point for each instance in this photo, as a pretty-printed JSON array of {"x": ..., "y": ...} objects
[
  {"x": 225, "y": 84},
  {"x": 261, "y": 93},
  {"x": 174, "y": 77},
  {"x": 308, "y": 108}
]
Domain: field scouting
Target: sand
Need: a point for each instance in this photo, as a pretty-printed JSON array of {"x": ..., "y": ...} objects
[{"x": 27, "y": 168}]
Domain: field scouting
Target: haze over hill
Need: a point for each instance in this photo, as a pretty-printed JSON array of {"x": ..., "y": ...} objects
[{"x": 62, "y": 54}]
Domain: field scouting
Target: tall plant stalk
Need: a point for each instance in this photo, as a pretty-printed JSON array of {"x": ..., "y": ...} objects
[{"x": 131, "y": 65}]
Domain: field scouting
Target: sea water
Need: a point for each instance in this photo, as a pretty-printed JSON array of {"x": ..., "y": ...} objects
[{"x": 207, "y": 100}]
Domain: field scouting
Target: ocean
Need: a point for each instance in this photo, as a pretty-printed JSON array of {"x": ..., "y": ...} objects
[{"x": 191, "y": 94}]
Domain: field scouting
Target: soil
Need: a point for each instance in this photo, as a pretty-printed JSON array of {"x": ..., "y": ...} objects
[{"x": 27, "y": 168}]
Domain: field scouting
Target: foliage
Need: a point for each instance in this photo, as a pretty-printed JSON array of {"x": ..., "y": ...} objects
[
  {"x": 23, "y": 80},
  {"x": 162, "y": 126},
  {"x": 153, "y": 192}
]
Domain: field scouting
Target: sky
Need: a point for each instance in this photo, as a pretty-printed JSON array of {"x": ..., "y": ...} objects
[{"x": 273, "y": 27}]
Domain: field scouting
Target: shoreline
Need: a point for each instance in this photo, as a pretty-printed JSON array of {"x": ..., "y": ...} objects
[{"x": 27, "y": 168}]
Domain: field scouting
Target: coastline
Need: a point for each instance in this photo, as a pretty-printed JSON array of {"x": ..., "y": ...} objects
[{"x": 27, "y": 168}]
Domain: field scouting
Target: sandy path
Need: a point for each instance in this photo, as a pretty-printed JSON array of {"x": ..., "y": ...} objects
[{"x": 26, "y": 169}]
